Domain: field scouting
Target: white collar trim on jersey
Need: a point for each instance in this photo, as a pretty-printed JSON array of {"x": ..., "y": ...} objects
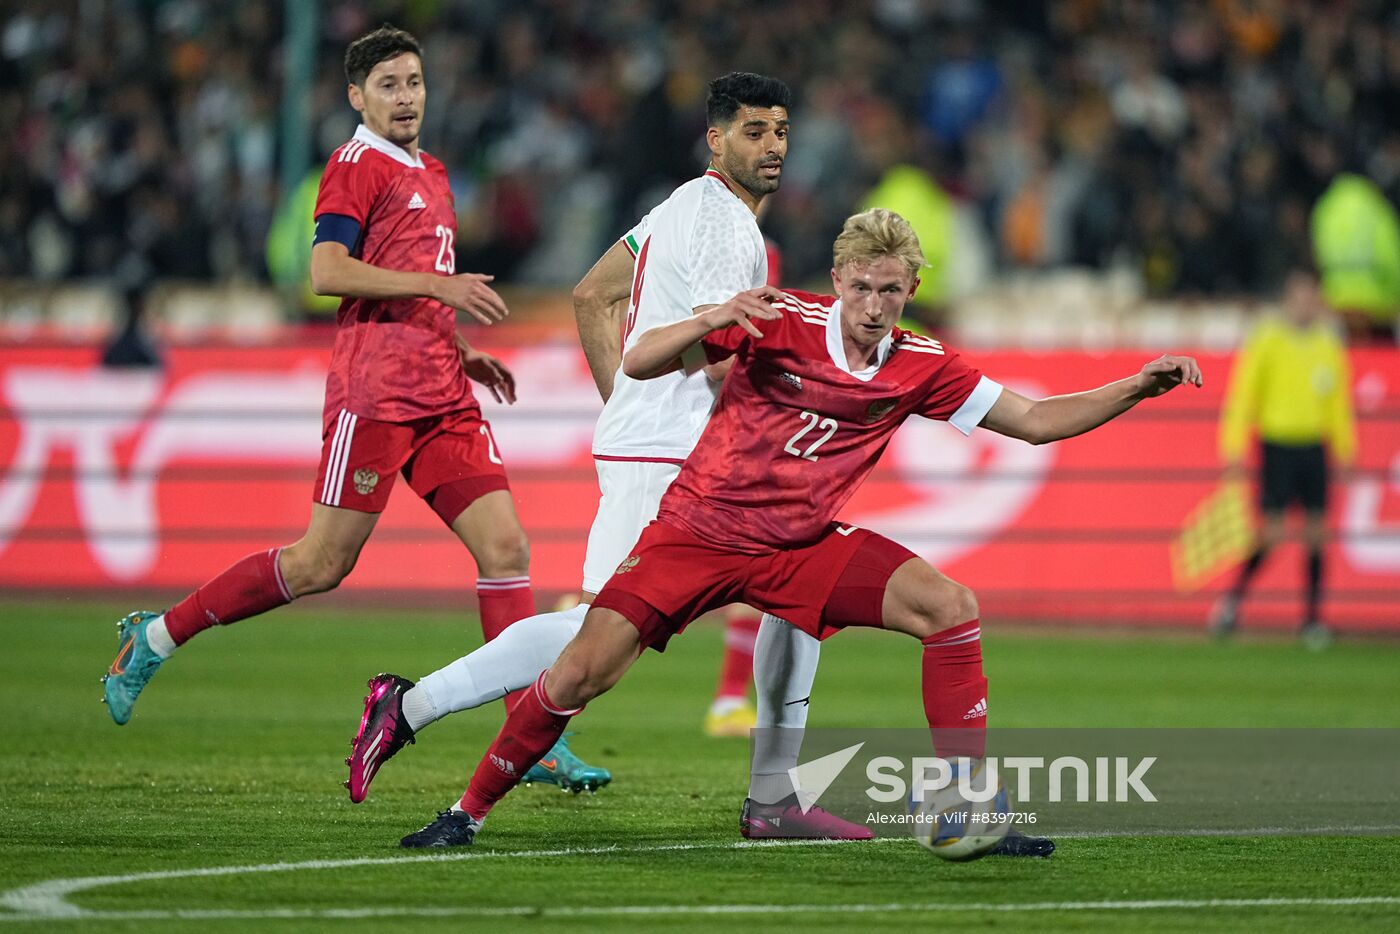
[
  {"x": 837, "y": 350},
  {"x": 365, "y": 135}
]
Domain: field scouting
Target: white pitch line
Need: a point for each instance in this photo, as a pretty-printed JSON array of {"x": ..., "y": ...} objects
[
  {"x": 49, "y": 899},
  {"x": 597, "y": 911},
  {"x": 1344, "y": 830}
]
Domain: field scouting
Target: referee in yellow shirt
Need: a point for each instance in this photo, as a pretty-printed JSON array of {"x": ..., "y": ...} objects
[{"x": 1290, "y": 386}]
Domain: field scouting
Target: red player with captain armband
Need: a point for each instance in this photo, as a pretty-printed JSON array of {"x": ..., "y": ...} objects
[{"x": 398, "y": 394}]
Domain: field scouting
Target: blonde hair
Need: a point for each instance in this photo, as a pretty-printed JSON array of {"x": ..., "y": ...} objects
[{"x": 872, "y": 235}]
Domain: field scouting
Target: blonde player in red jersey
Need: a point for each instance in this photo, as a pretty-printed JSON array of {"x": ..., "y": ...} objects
[
  {"x": 398, "y": 398},
  {"x": 818, "y": 388},
  {"x": 693, "y": 251}
]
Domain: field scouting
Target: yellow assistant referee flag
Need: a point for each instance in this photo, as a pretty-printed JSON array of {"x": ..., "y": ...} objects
[{"x": 1216, "y": 536}]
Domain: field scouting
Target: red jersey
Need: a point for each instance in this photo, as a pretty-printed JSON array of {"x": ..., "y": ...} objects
[
  {"x": 394, "y": 360},
  {"x": 795, "y": 433}
]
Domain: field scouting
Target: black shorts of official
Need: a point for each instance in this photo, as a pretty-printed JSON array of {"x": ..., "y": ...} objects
[{"x": 1293, "y": 473}]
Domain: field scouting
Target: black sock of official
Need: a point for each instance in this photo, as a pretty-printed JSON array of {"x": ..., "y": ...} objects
[
  {"x": 1314, "y": 584},
  {"x": 1247, "y": 570}
]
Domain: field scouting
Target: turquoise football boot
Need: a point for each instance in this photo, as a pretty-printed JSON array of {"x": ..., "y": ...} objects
[
  {"x": 134, "y": 665},
  {"x": 561, "y": 767}
]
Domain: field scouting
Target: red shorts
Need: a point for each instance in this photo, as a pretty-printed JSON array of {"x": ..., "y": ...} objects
[
  {"x": 360, "y": 458},
  {"x": 672, "y": 577}
]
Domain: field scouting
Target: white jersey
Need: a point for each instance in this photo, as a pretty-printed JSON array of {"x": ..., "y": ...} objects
[{"x": 701, "y": 246}]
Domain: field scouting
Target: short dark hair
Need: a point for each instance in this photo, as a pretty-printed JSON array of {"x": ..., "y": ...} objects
[
  {"x": 369, "y": 50},
  {"x": 740, "y": 88}
]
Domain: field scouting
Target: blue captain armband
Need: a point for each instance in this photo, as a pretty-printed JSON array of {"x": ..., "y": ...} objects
[{"x": 337, "y": 228}]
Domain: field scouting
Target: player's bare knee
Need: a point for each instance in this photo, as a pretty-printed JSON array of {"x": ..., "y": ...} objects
[
  {"x": 573, "y": 682},
  {"x": 601, "y": 680},
  {"x": 591, "y": 677},
  {"x": 960, "y": 606},
  {"x": 505, "y": 555},
  {"x": 563, "y": 684},
  {"x": 327, "y": 575},
  {"x": 950, "y": 605},
  {"x": 308, "y": 569},
  {"x": 1315, "y": 532}
]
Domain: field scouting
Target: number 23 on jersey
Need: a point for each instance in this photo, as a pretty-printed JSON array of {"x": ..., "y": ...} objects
[{"x": 447, "y": 255}]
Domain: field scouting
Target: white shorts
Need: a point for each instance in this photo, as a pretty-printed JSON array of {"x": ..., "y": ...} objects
[{"x": 631, "y": 494}]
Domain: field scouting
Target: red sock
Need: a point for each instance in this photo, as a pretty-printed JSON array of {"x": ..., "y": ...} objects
[
  {"x": 532, "y": 727},
  {"x": 251, "y": 586},
  {"x": 736, "y": 671},
  {"x": 502, "y": 601},
  {"x": 955, "y": 691}
]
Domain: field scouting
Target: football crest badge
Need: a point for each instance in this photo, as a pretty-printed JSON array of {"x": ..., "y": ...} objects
[
  {"x": 366, "y": 481},
  {"x": 878, "y": 410},
  {"x": 628, "y": 565}
]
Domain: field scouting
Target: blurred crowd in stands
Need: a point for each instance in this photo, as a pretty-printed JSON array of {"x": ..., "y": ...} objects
[{"x": 1187, "y": 140}]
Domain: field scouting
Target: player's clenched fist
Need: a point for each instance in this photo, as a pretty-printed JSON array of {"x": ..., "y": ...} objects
[
  {"x": 469, "y": 292},
  {"x": 1166, "y": 373},
  {"x": 755, "y": 303}
]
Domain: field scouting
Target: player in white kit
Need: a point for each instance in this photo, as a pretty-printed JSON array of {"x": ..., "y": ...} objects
[{"x": 698, "y": 249}]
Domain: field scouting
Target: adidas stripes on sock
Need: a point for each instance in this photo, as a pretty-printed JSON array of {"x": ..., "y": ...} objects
[
  {"x": 955, "y": 691},
  {"x": 532, "y": 727},
  {"x": 247, "y": 588}
]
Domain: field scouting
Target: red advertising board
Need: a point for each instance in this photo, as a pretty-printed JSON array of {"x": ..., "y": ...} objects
[{"x": 152, "y": 481}]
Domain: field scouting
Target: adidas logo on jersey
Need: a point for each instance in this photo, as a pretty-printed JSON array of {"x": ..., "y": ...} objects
[
  {"x": 792, "y": 378},
  {"x": 416, "y": 203}
]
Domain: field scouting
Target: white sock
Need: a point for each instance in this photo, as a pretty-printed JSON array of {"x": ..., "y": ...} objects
[
  {"x": 159, "y": 637},
  {"x": 784, "y": 667},
  {"x": 418, "y": 708},
  {"x": 512, "y": 660}
]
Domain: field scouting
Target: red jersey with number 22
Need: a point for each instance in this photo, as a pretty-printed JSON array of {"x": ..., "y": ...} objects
[
  {"x": 795, "y": 433},
  {"x": 394, "y": 360}
]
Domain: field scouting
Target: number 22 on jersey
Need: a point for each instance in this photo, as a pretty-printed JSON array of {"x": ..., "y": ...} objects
[{"x": 810, "y": 421}]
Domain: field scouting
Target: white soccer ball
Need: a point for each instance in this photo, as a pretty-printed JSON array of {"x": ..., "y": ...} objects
[{"x": 951, "y": 826}]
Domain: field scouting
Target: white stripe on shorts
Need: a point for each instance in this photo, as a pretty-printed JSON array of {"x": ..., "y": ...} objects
[
  {"x": 330, "y": 458},
  {"x": 339, "y": 458}
]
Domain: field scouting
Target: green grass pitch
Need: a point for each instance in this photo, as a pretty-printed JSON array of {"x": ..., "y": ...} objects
[{"x": 234, "y": 760}]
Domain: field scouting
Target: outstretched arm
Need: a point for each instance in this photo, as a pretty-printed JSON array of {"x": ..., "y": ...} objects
[
  {"x": 660, "y": 350},
  {"x": 600, "y": 301},
  {"x": 1058, "y": 417},
  {"x": 335, "y": 272}
]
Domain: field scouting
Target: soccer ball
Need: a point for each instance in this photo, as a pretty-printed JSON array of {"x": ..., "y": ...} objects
[{"x": 954, "y": 828}]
